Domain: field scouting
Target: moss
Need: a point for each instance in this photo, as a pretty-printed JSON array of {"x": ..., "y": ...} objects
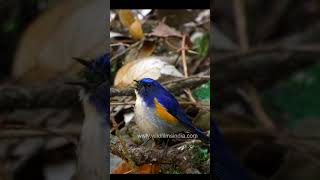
[
  {"x": 201, "y": 156},
  {"x": 172, "y": 170}
]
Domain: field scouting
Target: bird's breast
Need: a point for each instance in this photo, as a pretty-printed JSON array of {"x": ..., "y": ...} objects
[{"x": 149, "y": 122}]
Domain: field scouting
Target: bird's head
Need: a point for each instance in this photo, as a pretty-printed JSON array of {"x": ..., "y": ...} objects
[
  {"x": 95, "y": 73},
  {"x": 95, "y": 81},
  {"x": 148, "y": 89}
]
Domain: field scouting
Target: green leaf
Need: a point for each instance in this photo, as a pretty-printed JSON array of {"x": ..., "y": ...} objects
[
  {"x": 298, "y": 97},
  {"x": 201, "y": 44},
  {"x": 202, "y": 92}
]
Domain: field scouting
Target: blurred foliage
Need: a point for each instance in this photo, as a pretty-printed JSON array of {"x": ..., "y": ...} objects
[
  {"x": 15, "y": 15},
  {"x": 297, "y": 97},
  {"x": 203, "y": 154},
  {"x": 202, "y": 92},
  {"x": 202, "y": 44}
]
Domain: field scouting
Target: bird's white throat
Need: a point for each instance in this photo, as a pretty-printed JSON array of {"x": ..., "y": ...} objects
[{"x": 92, "y": 157}]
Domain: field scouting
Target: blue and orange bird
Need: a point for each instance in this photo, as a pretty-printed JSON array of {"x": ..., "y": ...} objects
[
  {"x": 92, "y": 149},
  {"x": 158, "y": 112}
]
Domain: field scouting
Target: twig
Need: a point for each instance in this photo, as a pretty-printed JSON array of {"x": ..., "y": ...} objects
[
  {"x": 60, "y": 95},
  {"x": 170, "y": 45},
  {"x": 183, "y": 55},
  {"x": 240, "y": 19},
  {"x": 55, "y": 95},
  {"x": 237, "y": 56},
  {"x": 197, "y": 63},
  {"x": 25, "y": 132},
  {"x": 283, "y": 138},
  {"x": 173, "y": 87},
  {"x": 250, "y": 95},
  {"x": 124, "y": 148},
  {"x": 270, "y": 21},
  {"x": 185, "y": 66},
  {"x": 124, "y": 52},
  {"x": 182, "y": 79},
  {"x": 133, "y": 103}
]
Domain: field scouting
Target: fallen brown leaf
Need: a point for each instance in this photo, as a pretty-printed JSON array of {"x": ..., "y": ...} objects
[
  {"x": 126, "y": 17},
  {"x": 164, "y": 31},
  {"x": 125, "y": 168},
  {"x": 135, "y": 30}
]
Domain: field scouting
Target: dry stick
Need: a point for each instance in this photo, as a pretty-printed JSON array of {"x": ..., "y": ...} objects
[
  {"x": 237, "y": 56},
  {"x": 174, "y": 88},
  {"x": 60, "y": 95},
  {"x": 116, "y": 110},
  {"x": 26, "y": 132},
  {"x": 301, "y": 149},
  {"x": 250, "y": 95},
  {"x": 252, "y": 98},
  {"x": 124, "y": 146},
  {"x": 114, "y": 128},
  {"x": 185, "y": 66},
  {"x": 133, "y": 103},
  {"x": 183, "y": 54},
  {"x": 199, "y": 105},
  {"x": 182, "y": 79},
  {"x": 170, "y": 45},
  {"x": 270, "y": 21},
  {"x": 124, "y": 52},
  {"x": 240, "y": 18},
  {"x": 197, "y": 63},
  {"x": 51, "y": 95}
]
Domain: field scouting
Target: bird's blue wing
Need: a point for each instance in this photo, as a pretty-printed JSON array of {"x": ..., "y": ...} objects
[
  {"x": 168, "y": 102},
  {"x": 172, "y": 106}
]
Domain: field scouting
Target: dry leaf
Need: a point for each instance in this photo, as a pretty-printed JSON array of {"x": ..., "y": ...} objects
[
  {"x": 125, "y": 168},
  {"x": 64, "y": 31},
  {"x": 164, "y": 31},
  {"x": 151, "y": 67},
  {"x": 135, "y": 30},
  {"x": 147, "y": 49},
  {"x": 126, "y": 17},
  {"x": 144, "y": 50},
  {"x": 148, "y": 169},
  {"x": 122, "y": 168}
]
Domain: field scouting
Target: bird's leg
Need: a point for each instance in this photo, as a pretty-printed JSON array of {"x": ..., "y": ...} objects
[
  {"x": 165, "y": 149},
  {"x": 145, "y": 142}
]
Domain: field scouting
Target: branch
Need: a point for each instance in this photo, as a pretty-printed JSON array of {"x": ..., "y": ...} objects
[
  {"x": 181, "y": 155},
  {"x": 25, "y": 132},
  {"x": 190, "y": 82},
  {"x": 237, "y": 56},
  {"x": 56, "y": 95},
  {"x": 262, "y": 66},
  {"x": 271, "y": 20},
  {"x": 241, "y": 23},
  {"x": 250, "y": 95},
  {"x": 60, "y": 95}
]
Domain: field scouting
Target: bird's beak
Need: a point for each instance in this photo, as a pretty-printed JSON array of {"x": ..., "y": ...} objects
[
  {"x": 137, "y": 85},
  {"x": 83, "y": 62}
]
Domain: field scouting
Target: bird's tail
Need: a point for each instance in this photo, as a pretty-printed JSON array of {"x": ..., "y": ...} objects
[{"x": 202, "y": 135}]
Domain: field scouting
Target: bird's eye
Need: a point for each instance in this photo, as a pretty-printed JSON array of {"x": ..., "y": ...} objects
[{"x": 147, "y": 85}]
